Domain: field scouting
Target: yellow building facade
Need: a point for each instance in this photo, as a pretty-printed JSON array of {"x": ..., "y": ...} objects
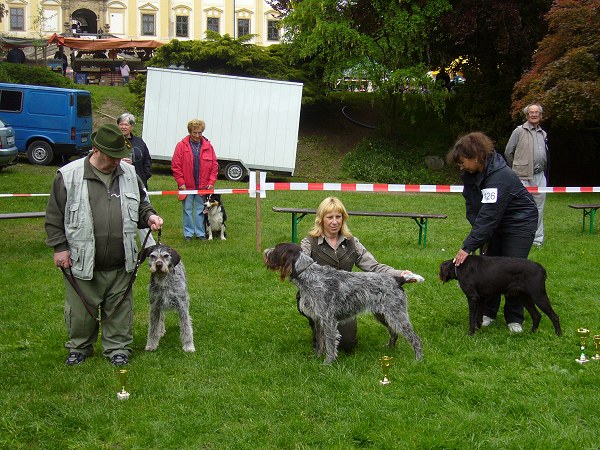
[{"x": 142, "y": 19}]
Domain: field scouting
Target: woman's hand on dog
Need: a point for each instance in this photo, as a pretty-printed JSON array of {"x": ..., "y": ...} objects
[{"x": 460, "y": 257}]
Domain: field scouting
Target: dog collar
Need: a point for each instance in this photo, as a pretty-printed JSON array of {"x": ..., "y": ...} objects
[{"x": 295, "y": 275}]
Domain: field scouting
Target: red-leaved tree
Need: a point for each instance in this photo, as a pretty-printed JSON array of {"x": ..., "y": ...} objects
[{"x": 565, "y": 76}]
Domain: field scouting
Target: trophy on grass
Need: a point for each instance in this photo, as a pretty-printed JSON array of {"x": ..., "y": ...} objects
[
  {"x": 596, "y": 345},
  {"x": 583, "y": 334},
  {"x": 386, "y": 363},
  {"x": 122, "y": 374}
]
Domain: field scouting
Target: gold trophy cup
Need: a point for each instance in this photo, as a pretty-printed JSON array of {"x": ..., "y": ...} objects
[
  {"x": 583, "y": 334},
  {"x": 386, "y": 362},
  {"x": 122, "y": 374},
  {"x": 596, "y": 345}
]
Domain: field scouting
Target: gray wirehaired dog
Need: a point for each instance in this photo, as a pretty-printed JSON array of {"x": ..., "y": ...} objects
[
  {"x": 329, "y": 296},
  {"x": 167, "y": 290}
]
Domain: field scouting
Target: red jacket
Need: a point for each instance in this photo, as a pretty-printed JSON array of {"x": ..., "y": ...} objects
[{"x": 182, "y": 164}]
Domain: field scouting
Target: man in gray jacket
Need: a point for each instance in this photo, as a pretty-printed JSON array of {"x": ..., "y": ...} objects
[
  {"x": 527, "y": 154},
  {"x": 96, "y": 205}
]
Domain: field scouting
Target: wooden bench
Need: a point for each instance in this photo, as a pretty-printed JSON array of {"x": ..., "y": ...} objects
[
  {"x": 588, "y": 210},
  {"x": 24, "y": 215},
  {"x": 420, "y": 219}
]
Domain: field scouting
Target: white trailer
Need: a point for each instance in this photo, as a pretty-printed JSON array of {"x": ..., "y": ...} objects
[{"x": 252, "y": 123}]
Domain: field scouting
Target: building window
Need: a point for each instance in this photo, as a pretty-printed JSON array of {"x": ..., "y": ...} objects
[
  {"x": 243, "y": 27},
  {"x": 272, "y": 30},
  {"x": 148, "y": 25},
  {"x": 212, "y": 24},
  {"x": 17, "y": 19},
  {"x": 181, "y": 26}
]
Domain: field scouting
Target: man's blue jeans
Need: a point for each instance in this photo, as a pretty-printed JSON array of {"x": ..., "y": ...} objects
[{"x": 193, "y": 217}]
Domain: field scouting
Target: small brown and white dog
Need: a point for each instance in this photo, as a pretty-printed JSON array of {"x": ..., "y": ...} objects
[
  {"x": 484, "y": 276},
  {"x": 215, "y": 217},
  {"x": 167, "y": 290}
]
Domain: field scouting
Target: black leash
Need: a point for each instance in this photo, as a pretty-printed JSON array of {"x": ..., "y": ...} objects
[{"x": 89, "y": 308}]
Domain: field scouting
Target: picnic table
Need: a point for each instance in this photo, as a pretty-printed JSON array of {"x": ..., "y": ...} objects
[
  {"x": 420, "y": 219},
  {"x": 588, "y": 209}
]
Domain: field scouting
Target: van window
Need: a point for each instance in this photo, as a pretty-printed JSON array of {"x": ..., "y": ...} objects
[
  {"x": 11, "y": 100},
  {"x": 84, "y": 105}
]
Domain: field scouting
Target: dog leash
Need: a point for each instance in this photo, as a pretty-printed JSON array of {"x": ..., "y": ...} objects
[{"x": 89, "y": 308}]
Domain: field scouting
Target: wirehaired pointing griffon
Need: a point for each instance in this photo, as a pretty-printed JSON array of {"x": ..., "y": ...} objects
[
  {"x": 522, "y": 280},
  {"x": 329, "y": 296},
  {"x": 167, "y": 290}
]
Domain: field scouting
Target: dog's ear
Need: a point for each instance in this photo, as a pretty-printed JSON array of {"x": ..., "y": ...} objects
[
  {"x": 175, "y": 258},
  {"x": 447, "y": 271},
  {"x": 145, "y": 253}
]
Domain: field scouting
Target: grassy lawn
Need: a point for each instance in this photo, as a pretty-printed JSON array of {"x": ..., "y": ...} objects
[{"x": 254, "y": 382}]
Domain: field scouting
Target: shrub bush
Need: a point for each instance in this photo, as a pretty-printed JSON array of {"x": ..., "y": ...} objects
[
  {"x": 33, "y": 75},
  {"x": 379, "y": 161}
]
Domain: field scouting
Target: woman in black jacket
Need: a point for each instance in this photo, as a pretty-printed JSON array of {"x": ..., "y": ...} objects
[{"x": 502, "y": 213}]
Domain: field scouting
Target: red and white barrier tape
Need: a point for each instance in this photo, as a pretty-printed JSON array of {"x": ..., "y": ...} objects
[{"x": 355, "y": 187}]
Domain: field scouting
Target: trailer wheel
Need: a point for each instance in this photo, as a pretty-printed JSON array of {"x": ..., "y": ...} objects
[
  {"x": 40, "y": 153},
  {"x": 235, "y": 171}
]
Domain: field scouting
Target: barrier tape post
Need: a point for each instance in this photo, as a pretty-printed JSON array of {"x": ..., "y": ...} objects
[{"x": 257, "y": 195}]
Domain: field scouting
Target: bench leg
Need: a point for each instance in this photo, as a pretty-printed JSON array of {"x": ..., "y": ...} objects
[
  {"x": 422, "y": 223},
  {"x": 592, "y": 214},
  {"x": 295, "y": 220}
]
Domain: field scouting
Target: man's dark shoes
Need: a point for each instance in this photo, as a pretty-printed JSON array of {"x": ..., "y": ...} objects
[
  {"x": 75, "y": 358},
  {"x": 119, "y": 359}
]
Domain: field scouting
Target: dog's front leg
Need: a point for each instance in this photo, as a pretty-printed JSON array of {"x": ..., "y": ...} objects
[
  {"x": 318, "y": 337},
  {"x": 186, "y": 333},
  {"x": 154, "y": 324},
  {"x": 223, "y": 232},
  {"x": 473, "y": 301},
  {"x": 331, "y": 336}
]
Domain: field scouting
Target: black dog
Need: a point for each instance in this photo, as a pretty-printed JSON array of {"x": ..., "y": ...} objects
[
  {"x": 214, "y": 215},
  {"x": 484, "y": 276}
]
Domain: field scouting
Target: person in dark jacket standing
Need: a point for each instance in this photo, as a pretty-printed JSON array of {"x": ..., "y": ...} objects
[
  {"x": 140, "y": 158},
  {"x": 502, "y": 213}
]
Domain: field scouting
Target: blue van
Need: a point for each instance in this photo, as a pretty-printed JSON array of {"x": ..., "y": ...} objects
[{"x": 49, "y": 122}]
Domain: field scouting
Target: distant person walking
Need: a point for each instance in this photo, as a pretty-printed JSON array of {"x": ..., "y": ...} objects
[
  {"x": 527, "y": 155},
  {"x": 125, "y": 72},
  {"x": 60, "y": 54}
]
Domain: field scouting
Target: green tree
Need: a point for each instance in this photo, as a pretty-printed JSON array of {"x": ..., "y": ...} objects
[
  {"x": 385, "y": 41},
  {"x": 497, "y": 39},
  {"x": 239, "y": 57},
  {"x": 565, "y": 76}
]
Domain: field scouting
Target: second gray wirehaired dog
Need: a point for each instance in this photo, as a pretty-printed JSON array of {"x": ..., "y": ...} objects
[
  {"x": 167, "y": 290},
  {"x": 329, "y": 296}
]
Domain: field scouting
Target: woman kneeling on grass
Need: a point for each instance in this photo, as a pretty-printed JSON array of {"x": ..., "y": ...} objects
[{"x": 330, "y": 243}]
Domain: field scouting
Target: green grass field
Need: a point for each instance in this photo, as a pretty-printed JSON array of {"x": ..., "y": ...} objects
[{"x": 254, "y": 382}]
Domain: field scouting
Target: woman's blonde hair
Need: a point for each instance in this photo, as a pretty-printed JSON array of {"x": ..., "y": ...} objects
[
  {"x": 327, "y": 206},
  {"x": 196, "y": 123}
]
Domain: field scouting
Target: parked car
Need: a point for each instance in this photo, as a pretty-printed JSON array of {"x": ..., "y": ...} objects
[
  {"x": 49, "y": 122},
  {"x": 8, "y": 149}
]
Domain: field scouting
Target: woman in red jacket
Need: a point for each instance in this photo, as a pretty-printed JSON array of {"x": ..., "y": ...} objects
[{"x": 195, "y": 167}]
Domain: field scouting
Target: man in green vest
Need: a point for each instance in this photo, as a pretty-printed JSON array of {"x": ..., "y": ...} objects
[{"x": 96, "y": 205}]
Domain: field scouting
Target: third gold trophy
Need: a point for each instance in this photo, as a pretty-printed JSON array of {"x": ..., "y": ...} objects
[{"x": 386, "y": 363}]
